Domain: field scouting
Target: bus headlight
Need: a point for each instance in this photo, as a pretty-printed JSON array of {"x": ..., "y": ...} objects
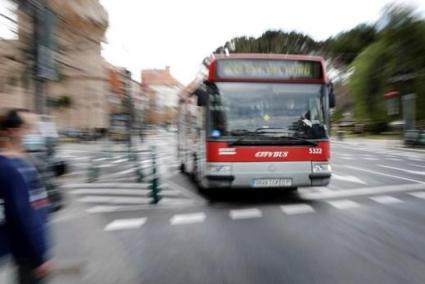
[
  {"x": 321, "y": 167},
  {"x": 219, "y": 169}
]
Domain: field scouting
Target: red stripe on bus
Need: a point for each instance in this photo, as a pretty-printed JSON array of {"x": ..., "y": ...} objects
[{"x": 222, "y": 152}]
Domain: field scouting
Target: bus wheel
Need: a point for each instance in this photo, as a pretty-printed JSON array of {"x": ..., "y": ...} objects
[{"x": 291, "y": 189}]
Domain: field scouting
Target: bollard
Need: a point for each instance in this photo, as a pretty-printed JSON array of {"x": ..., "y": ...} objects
[
  {"x": 93, "y": 172},
  {"x": 139, "y": 170},
  {"x": 108, "y": 149},
  {"x": 155, "y": 180}
]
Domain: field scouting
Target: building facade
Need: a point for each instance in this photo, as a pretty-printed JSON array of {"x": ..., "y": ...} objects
[
  {"x": 162, "y": 91},
  {"x": 82, "y": 73},
  {"x": 123, "y": 88}
]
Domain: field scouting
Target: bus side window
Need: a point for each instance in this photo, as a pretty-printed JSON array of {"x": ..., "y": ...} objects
[{"x": 218, "y": 115}]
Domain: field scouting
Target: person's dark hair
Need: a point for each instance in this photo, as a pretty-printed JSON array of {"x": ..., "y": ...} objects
[{"x": 12, "y": 119}]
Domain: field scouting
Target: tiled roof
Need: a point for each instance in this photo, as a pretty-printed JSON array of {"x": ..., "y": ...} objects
[{"x": 158, "y": 77}]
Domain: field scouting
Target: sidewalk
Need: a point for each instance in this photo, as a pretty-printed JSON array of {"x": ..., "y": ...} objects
[{"x": 84, "y": 253}]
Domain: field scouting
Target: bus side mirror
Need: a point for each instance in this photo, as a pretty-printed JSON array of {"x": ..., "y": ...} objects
[{"x": 331, "y": 100}]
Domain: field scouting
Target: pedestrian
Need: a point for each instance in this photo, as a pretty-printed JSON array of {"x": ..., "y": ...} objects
[{"x": 23, "y": 229}]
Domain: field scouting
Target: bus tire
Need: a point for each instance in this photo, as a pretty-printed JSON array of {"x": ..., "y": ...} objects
[{"x": 291, "y": 189}]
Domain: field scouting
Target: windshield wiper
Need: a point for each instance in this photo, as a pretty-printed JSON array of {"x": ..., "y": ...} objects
[
  {"x": 300, "y": 139},
  {"x": 267, "y": 130},
  {"x": 264, "y": 130},
  {"x": 243, "y": 133}
]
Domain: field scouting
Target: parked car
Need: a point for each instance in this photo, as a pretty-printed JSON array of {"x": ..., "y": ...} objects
[
  {"x": 172, "y": 128},
  {"x": 414, "y": 137},
  {"x": 71, "y": 133},
  {"x": 42, "y": 153}
]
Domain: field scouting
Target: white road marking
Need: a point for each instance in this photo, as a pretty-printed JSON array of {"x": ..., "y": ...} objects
[
  {"x": 102, "y": 209},
  {"x": 383, "y": 174},
  {"x": 187, "y": 218},
  {"x": 105, "y": 165},
  {"x": 245, "y": 213},
  {"x": 371, "y": 159},
  {"x": 141, "y": 192},
  {"x": 114, "y": 200},
  {"x": 117, "y": 174},
  {"x": 106, "y": 185},
  {"x": 185, "y": 191},
  {"x": 361, "y": 191},
  {"x": 119, "y": 161},
  {"x": 344, "y": 204},
  {"x": 414, "y": 158},
  {"x": 164, "y": 204},
  {"x": 347, "y": 158},
  {"x": 419, "y": 194},
  {"x": 297, "y": 209},
  {"x": 418, "y": 166},
  {"x": 385, "y": 199},
  {"x": 329, "y": 188},
  {"x": 404, "y": 170},
  {"x": 125, "y": 224},
  {"x": 120, "y": 192},
  {"x": 80, "y": 158},
  {"x": 348, "y": 178}
]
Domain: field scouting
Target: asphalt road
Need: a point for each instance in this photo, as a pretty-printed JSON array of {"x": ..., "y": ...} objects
[{"x": 367, "y": 226}]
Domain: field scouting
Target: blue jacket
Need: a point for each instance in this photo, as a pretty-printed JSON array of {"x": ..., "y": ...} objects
[{"x": 22, "y": 212}]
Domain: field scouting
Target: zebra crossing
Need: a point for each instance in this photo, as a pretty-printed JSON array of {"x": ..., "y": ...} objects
[
  {"x": 241, "y": 214},
  {"x": 122, "y": 182},
  {"x": 101, "y": 197},
  {"x": 114, "y": 161}
]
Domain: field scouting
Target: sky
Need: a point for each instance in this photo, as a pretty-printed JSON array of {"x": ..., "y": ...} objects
[
  {"x": 155, "y": 34},
  {"x": 6, "y": 26}
]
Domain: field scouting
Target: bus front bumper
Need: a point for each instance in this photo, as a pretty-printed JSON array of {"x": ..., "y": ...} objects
[{"x": 285, "y": 174}]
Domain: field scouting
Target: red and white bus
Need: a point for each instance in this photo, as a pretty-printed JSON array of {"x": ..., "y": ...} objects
[{"x": 257, "y": 120}]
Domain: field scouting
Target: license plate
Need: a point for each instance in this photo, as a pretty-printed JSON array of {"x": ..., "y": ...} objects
[{"x": 272, "y": 182}]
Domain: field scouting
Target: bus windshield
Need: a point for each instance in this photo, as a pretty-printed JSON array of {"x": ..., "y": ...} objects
[{"x": 247, "y": 109}]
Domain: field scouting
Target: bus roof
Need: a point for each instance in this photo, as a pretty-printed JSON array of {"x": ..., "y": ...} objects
[{"x": 299, "y": 57}]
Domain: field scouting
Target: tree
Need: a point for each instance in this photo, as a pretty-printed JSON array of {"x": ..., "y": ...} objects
[
  {"x": 272, "y": 42},
  {"x": 396, "y": 60},
  {"x": 346, "y": 46},
  {"x": 369, "y": 81}
]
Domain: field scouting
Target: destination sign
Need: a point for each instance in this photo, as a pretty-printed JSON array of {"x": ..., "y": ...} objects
[{"x": 268, "y": 69}]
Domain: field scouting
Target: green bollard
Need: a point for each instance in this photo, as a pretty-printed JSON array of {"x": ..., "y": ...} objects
[
  {"x": 93, "y": 172},
  {"x": 155, "y": 180},
  {"x": 139, "y": 171}
]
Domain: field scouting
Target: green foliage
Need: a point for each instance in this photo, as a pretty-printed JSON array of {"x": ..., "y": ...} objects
[
  {"x": 337, "y": 116},
  {"x": 60, "y": 102},
  {"x": 346, "y": 46},
  {"x": 396, "y": 60},
  {"x": 368, "y": 83},
  {"x": 273, "y": 42}
]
